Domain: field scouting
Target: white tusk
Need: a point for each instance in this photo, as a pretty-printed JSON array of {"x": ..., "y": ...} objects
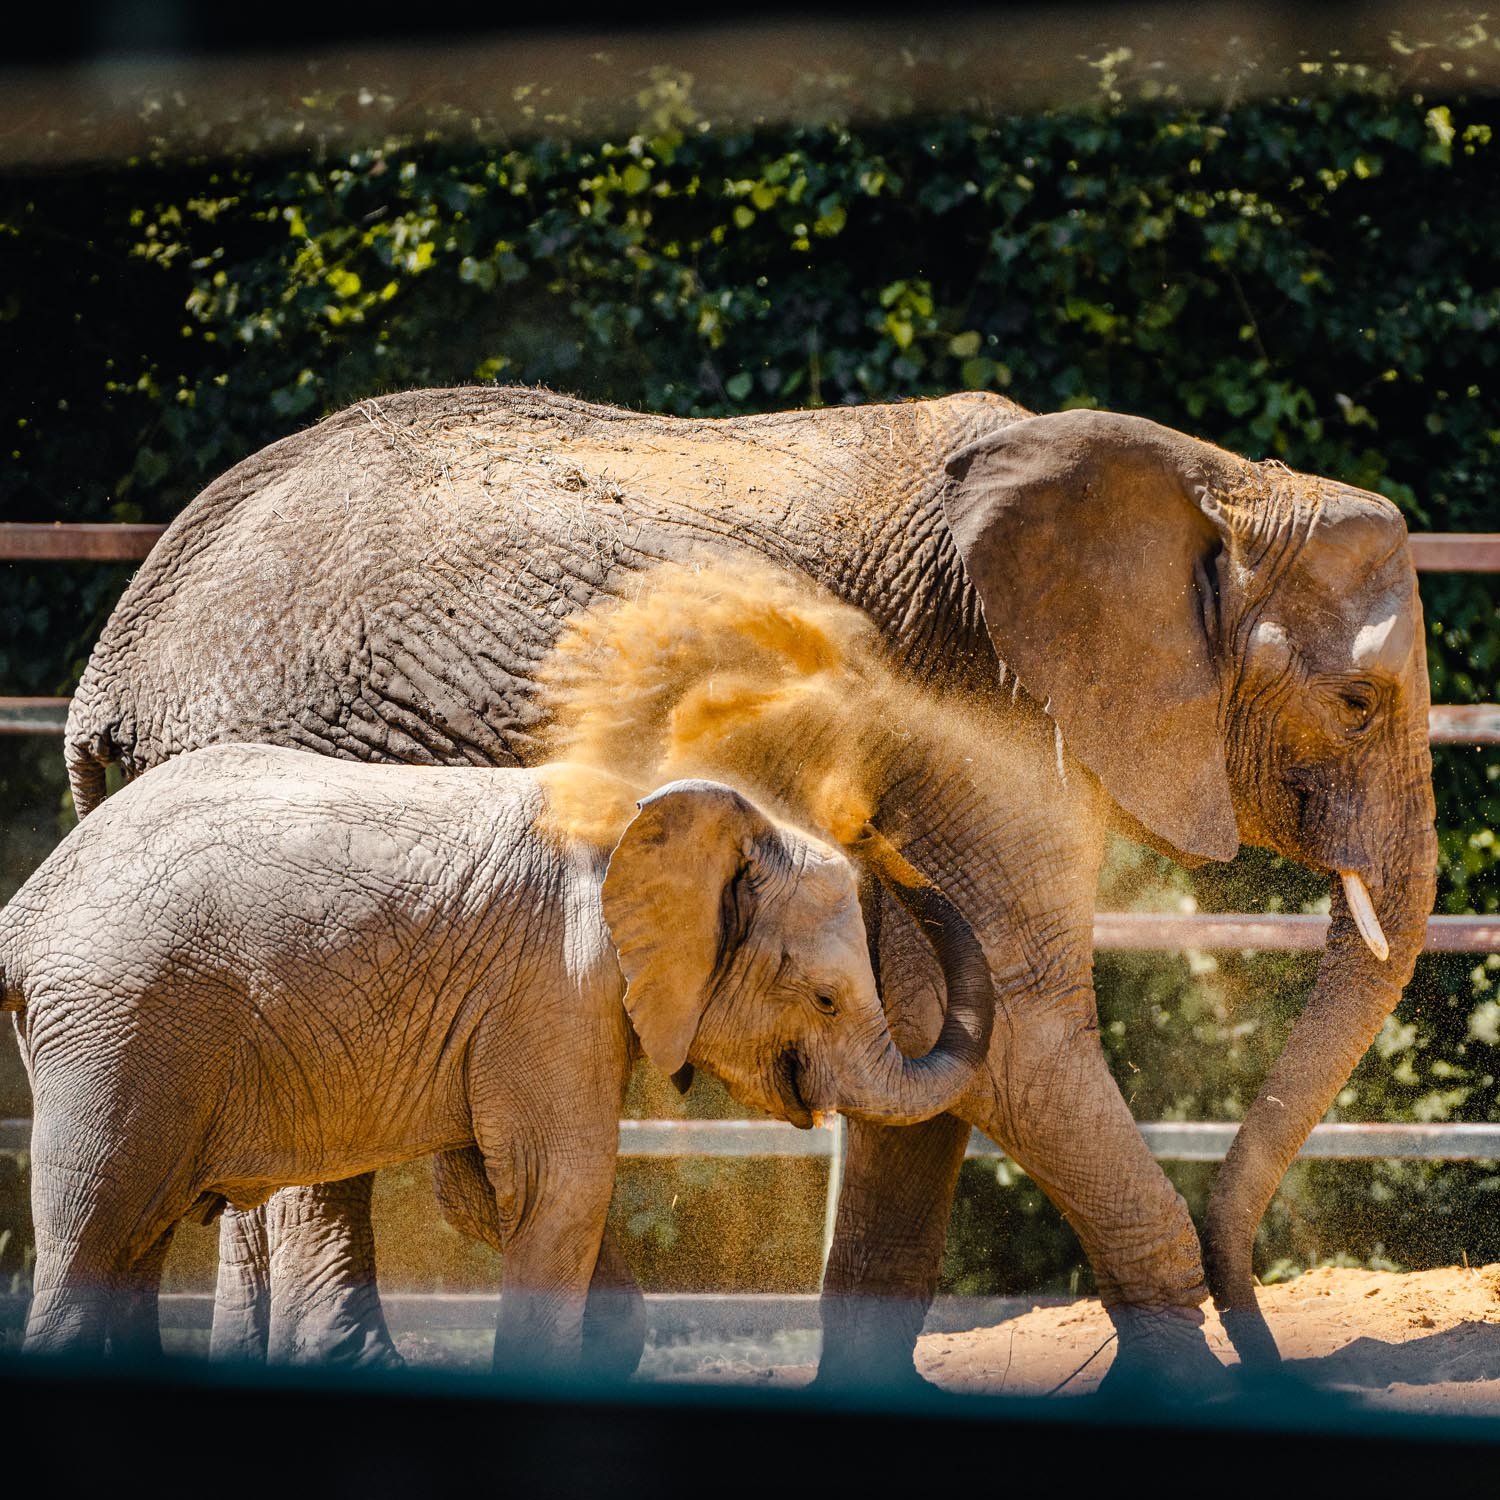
[{"x": 1362, "y": 909}]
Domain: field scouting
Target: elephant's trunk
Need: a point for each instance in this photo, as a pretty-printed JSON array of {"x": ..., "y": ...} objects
[
  {"x": 906, "y": 1090},
  {"x": 1355, "y": 990}
]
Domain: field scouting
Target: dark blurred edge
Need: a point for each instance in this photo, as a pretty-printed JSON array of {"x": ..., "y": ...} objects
[
  {"x": 108, "y": 81},
  {"x": 87, "y": 30},
  {"x": 124, "y": 79},
  {"x": 235, "y": 1430}
]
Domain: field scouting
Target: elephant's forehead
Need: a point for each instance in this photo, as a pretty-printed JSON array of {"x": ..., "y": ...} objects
[
  {"x": 1354, "y": 535},
  {"x": 1352, "y": 573},
  {"x": 823, "y": 899}
]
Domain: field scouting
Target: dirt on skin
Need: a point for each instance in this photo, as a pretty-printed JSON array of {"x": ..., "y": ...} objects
[{"x": 1416, "y": 1341}]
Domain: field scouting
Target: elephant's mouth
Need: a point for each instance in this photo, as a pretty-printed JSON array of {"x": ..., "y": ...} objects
[{"x": 787, "y": 1073}]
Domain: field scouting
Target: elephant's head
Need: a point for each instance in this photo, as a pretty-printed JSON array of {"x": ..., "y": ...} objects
[
  {"x": 1236, "y": 651},
  {"x": 744, "y": 951}
]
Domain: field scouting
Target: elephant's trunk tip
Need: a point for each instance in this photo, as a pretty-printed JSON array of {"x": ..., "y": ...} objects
[{"x": 875, "y": 850}]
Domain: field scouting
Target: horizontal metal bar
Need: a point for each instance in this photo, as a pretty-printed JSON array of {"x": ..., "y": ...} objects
[
  {"x": 89, "y": 541},
  {"x": 1447, "y": 723},
  {"x": 33, "y": 715},
  {"x": 1141, "y": 931},
  {"x": 76, "y": 541},
  {"x": 1464, "y": 723},
  {"x": 1456, "y": 551},
  {"x": 671, "y": 1317},
  {"x": 1169, "y": 1140},
  {"x": 735, "y": 1138},
  {"x": 1197, "y": 1140}
]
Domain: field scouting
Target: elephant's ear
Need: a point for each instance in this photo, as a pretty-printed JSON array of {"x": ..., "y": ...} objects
[
  {"x": 679, "y": 897},
  {"x": 1091, "y": 539}
]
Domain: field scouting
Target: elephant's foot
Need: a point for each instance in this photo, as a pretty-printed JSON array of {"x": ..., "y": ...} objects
[
  {"x": 1162, "y": 1355},
  {"x": 614, "y": 1317},
  {"x": 343, "y": 1326},
  {"x": 349, "y": 1346},
  {"x": 886, "y": 1378},
  {"x": 614, "y": 1331},
  {"x": 870, "y": 1343},
  {"x": 374, "y": 1350}
]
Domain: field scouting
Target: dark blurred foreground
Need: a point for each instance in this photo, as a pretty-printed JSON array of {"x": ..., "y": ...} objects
[{"x": 187, "y": 1427}]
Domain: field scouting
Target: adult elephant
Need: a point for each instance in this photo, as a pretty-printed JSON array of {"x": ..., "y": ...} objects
[{"x": 1222, "y": 651}]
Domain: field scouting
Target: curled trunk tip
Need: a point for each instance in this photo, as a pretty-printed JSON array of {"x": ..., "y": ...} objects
[{"x": 928, "y": 1085}]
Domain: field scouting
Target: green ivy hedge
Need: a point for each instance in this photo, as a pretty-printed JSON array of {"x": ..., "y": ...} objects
[{"x": 1307, "y": 275}]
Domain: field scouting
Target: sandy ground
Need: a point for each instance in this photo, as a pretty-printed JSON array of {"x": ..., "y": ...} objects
[
  {"x": 1423, "y": 1340},
  {"x": 1426, "y": 1341},
  {"x": 1420, "y": 1341}
]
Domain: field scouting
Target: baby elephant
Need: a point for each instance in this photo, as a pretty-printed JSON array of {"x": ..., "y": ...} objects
[{"x": 255, "y": 967}]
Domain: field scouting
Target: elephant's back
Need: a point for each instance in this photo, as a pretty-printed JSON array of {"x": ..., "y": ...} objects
[
  {"x": 237, "y": 860},
  {"x": 384, "y": 586}
]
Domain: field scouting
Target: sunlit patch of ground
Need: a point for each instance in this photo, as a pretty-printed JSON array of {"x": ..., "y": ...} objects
[
  {"x": 1417, "y": 1341},
  {"x": 1422, "y": 1340}
]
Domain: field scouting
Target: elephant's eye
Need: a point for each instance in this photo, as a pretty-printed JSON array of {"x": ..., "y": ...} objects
[
  {"x": 1357, "y": 708},
  {"x": 826, "y": 1004}
]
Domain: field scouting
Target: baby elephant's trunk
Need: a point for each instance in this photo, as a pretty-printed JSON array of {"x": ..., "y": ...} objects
[{"x": 916, "y": 1088}]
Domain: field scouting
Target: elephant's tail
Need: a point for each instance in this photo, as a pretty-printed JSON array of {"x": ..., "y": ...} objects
[
  {"x": 85, "y": 776},
  {"x": 12, "y": 996}
]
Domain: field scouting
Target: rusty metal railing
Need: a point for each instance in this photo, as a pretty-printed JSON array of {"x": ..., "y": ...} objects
[
  {"x": 1450, "y": 724},
  {"x": 1169, "y": 1140}
]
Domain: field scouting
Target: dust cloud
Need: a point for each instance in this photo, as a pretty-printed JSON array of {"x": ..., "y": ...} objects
[{"x": 743, "y": 674}]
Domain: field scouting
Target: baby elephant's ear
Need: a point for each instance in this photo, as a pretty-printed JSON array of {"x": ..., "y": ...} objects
[{"x": 678, "y": 899}]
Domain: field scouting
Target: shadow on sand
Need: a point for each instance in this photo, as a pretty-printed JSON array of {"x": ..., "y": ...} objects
[{"x": 1466, "y": 1352}]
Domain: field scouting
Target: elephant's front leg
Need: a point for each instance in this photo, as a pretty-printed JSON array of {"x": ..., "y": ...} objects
[
  {"x": 888, "y": 1246},
  {"x": 552, "y": 1242},
  {"x": 614, "y": 1324},
  {"x": 1052, "y": 1103},
  {"x": 298, "y": 1287}
]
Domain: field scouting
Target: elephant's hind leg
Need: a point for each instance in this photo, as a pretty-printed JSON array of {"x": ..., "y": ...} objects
[
  {"x": 98, "y": 1233},
  {"x": 242, "y": 1294},
  {"x": 325, "y": 1304},
  {"x": 135, "y": 1315}
]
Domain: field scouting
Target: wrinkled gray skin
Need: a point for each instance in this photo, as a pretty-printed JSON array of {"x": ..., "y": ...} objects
[
  {"x": 257, "y": 967},
  {"x": 1227, "y": 651}
]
